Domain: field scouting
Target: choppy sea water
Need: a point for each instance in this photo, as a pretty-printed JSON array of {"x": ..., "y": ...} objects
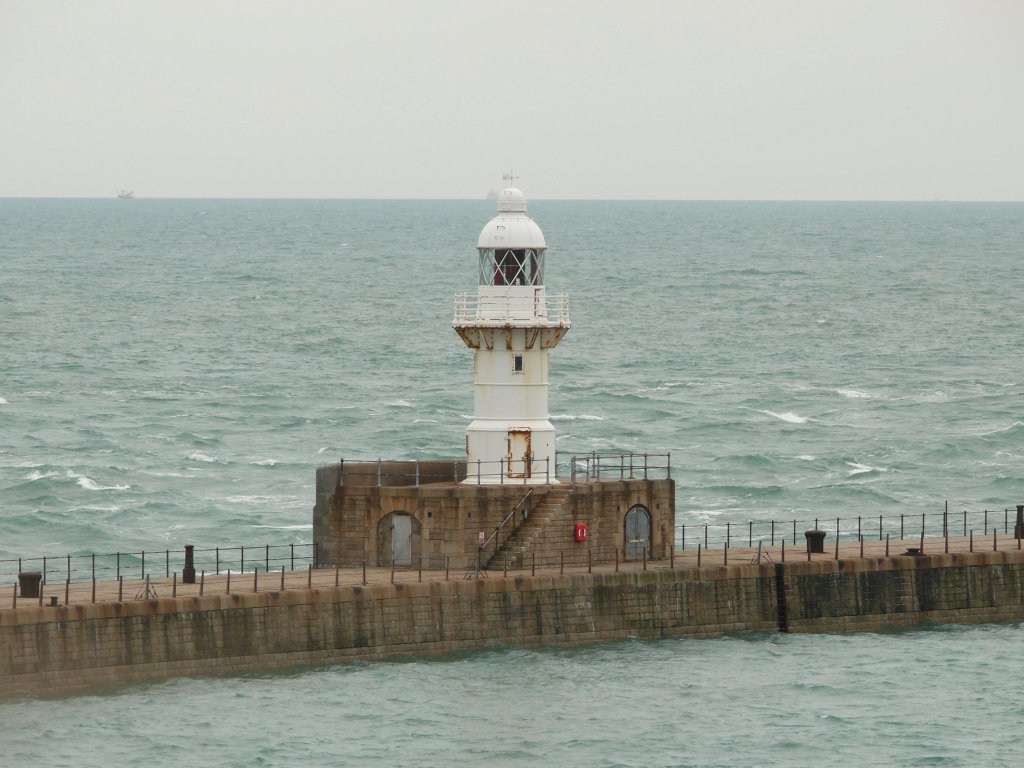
[{"x": 171, "y": 372}]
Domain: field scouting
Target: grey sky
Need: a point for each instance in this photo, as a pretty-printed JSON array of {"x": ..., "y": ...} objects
[{"x": 868, "y": 99}]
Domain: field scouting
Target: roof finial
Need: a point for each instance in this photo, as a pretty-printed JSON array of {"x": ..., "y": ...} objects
[{"x": 509, "y": 177}]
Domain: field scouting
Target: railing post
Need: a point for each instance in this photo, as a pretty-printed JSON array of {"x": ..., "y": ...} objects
[
  {"x": 668, "y": 461},
  {"x": 378, "y": 472},
  {"x": 645, "y": 466},
  {"x": 417, "y": 472}
]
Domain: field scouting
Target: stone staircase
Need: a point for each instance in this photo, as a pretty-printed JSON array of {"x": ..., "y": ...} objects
[{"x": 549, "y": 518}]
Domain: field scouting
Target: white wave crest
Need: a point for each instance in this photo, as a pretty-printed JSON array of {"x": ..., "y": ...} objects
[
  {"x": 805, "y": 457},
  {"x": 581, "y": 417},
  {"x": 788, "y": 416},
  {"x": 305, "y": 527},
  {"x": 37, "y": 475},
  {"x": 860, "y": 469},
  {"x": 3, "y": 401},
  {"x": 1003, "y": 429},
  {"x": 265, "y": 463},
  {"x": 856, "y": 394},
  {"x": 91, "y": 485},
  {"x": 205, "y": 458}
]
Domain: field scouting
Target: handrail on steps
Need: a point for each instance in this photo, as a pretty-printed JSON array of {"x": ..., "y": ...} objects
[{"x": 479, "y": 570}]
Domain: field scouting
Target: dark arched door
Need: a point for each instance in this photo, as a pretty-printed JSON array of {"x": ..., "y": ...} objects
[{"x": 637, "y": 532}]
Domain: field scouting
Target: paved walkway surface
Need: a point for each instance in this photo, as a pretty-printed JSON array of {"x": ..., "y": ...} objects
[{"x": 78, "y": 592}]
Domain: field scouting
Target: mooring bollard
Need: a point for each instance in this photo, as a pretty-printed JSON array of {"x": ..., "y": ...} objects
[
  {"x": 188, "y": 573},
  {"x": 1018, "y": 528},
  {"x": 816, "y": 541}
]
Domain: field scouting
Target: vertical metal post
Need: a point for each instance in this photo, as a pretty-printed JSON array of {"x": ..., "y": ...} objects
[
  {"x": 417, "y": 472},
  {"x": 67, "y": 591},
  {"x": 120, "y": 588},
  {"x": 378, "y": 472},
  {"x": 887, "y": 545},
  {"x": 902, "y": 536},
  {"x": 266, "y": 558},
  {"x": 725, "y": 554},
  {"x": 783, "y": 550},
  {"x": 143, "y": 565},
  {"x": 698, "y": 554},
  {"x": 118, "y": 564},
  {"x": 292, "y": 545},
  {"x": 69, "y": 570},
  {"x": 309, "y": 577},
  {"x": 705, "y": 535},
  {"x": 227, "y": 589},
  {"x": 773, "y": 535},
  {"x": 728, "y": 536},
  {"x": 174, "y": 585},
  {"x": 750, "y": 533},
  {"x": 93, "y": 566},
  {"x": 879, "y": 527},
  {"x": 202, "y": 582},
  {"x": 217, "y": 550},
  {"x": 241, "y": 566},
  {"x": 668, "y": 462},
  {"x": 255, "y": 578},
  {"x": 167, "y": 563}
]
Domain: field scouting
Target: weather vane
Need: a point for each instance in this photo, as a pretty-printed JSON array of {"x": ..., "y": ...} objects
[{"x": 510, "y": 177}]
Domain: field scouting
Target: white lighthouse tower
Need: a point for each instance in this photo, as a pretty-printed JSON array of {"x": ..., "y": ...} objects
[{"x": 511, "y": 325}]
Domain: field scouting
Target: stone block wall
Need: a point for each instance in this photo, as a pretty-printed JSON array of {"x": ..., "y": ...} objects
[
  {"x": 66, "y": 648},
  {"x": 350, "y": 519}
]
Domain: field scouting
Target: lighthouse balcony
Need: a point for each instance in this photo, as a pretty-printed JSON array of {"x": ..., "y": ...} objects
[{"x": 533, "y": 308}]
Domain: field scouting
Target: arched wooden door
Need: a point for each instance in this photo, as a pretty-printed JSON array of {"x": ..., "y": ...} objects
[{"x": 637, "y": 532}]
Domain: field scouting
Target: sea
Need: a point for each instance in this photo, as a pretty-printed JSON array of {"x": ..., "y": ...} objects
[{"x": 173, "y": 371}]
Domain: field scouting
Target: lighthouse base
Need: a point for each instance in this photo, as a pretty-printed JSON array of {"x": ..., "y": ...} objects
[{"x": 421, "y": 515}]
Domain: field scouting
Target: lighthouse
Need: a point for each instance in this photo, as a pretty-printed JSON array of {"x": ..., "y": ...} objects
[{"x": 511, "y": 323}]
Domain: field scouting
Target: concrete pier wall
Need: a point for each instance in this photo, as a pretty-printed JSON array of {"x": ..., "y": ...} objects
[{"x": 65, "y": 648}]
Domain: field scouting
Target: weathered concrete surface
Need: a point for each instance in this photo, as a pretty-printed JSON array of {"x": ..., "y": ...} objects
[{"x": 64, "y": 648}]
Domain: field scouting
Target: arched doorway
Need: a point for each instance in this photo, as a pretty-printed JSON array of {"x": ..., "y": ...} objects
[
  {"x": 637, "y": 529},
  {"x": 398, "y": 539}
]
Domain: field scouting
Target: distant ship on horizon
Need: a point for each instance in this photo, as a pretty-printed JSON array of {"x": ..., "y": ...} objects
[{"x": 126, "y": 194}]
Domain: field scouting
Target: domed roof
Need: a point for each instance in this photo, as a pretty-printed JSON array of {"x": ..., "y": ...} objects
[{"x": 511, "y": 228}]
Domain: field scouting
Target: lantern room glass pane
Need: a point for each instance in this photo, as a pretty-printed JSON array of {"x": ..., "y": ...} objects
[{"x": 511, "y": 266}]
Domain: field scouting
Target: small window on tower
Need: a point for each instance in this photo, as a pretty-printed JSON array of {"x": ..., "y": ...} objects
[{"x": 517, "y": 363}]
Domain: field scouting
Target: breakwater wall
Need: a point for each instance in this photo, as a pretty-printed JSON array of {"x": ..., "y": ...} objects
[{"x": 58, "y": 649}]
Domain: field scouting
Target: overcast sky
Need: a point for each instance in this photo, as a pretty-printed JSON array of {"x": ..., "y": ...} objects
[{"x": 769, "y": 99}]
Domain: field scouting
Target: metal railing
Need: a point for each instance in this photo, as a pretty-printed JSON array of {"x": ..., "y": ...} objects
[
  {"x": 620, "y": 466},
  {"x": 936, "y": 525},
  {"x": 579, "y": 468},
  {"x": 497, "y": 530},
  {"x": 159, "y": 564},
  {"x": 546, "y": 309}
]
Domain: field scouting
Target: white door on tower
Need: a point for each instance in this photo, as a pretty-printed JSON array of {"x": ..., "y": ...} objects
[{"x": 519, "y": 453}]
